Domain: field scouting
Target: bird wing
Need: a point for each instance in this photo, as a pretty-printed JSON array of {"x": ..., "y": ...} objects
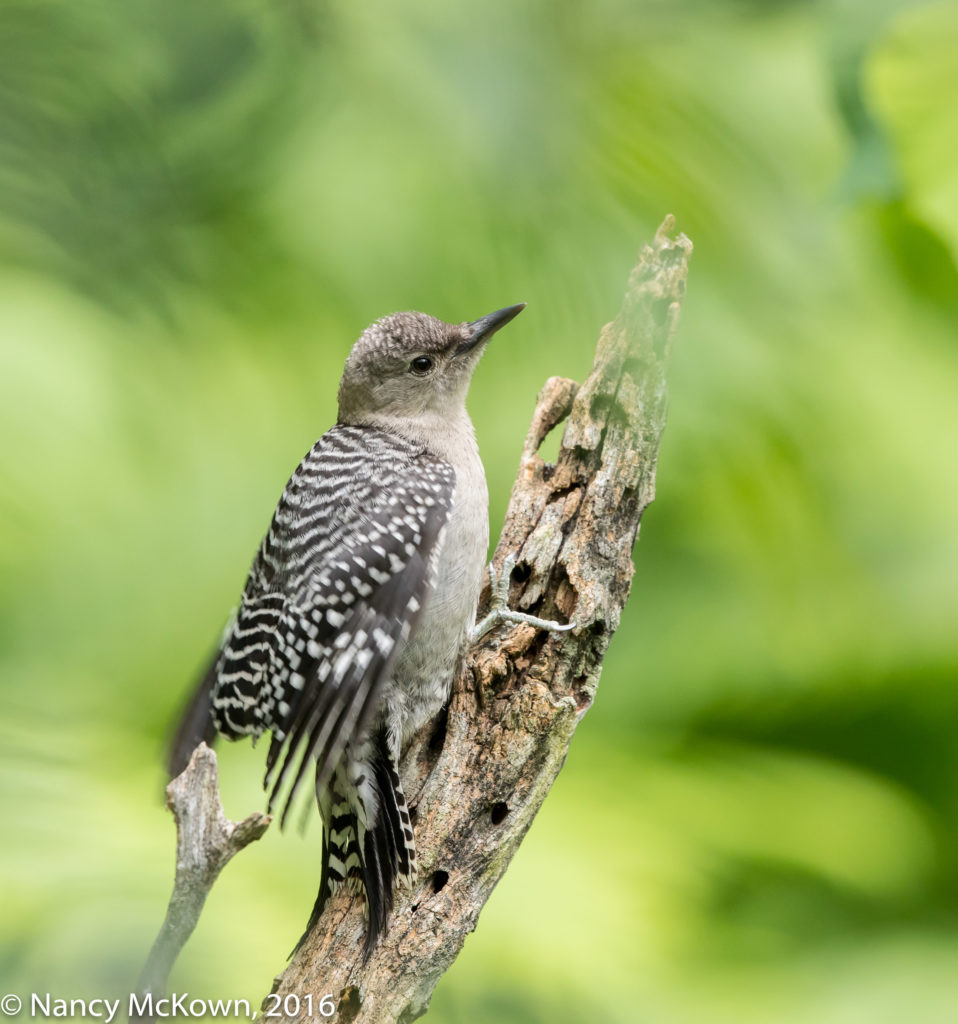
[{"x": 335, "y": 591}]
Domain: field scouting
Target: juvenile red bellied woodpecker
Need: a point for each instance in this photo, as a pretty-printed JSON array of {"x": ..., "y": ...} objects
[{"x": 362, "y": 599}]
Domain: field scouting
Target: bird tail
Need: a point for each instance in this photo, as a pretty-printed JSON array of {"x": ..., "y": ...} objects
[
  {"x": 367, "y": 840},
  {"x": 195, "y": 723}
]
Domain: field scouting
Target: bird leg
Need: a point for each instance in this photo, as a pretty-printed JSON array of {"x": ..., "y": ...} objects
[{"x": 499, "y": 610}]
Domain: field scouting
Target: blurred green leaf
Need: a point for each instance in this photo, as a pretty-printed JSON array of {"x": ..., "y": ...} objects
[{"x": 912, "y": 83}]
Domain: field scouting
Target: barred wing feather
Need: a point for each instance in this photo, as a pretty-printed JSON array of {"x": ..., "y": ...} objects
[{"x": 336, "y": 589}]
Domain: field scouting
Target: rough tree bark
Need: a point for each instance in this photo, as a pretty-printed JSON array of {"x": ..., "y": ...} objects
[{"x": 477, "y": 778}]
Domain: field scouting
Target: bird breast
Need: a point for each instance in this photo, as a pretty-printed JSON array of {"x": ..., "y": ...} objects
[{"x": 423, "y": 676}]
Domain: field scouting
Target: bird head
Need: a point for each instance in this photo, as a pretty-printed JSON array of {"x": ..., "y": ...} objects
[{"x": 413, "y": 367}]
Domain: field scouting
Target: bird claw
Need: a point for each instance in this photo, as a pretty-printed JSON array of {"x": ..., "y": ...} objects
[{"x": 499, "y": 610}]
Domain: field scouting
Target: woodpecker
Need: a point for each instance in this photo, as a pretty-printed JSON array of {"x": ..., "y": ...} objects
[{"x": 362, "y": 599}]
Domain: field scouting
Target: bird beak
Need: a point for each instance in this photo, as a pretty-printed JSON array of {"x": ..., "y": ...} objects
[{"x": 485, "y": 327}]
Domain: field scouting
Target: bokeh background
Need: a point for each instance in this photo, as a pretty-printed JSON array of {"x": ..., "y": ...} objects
[{"x": 202, "y": 204}]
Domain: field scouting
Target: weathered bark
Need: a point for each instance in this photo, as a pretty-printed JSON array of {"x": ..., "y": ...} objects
[
  {"x": 476, "y": 779},
  {"x": 205, "y": 843}
]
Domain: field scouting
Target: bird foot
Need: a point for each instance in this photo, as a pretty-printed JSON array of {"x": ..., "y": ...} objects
[{"x": 499, "y": 610}]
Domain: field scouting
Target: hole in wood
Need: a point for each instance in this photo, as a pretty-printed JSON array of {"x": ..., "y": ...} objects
[
  {"x": 439, "y": 880},
  {"x": 350, "y": 1004},
  {"x": 499, "y": 812},
  {"x": 438, "y": 738},
  {"x": 521, "y": 572}
]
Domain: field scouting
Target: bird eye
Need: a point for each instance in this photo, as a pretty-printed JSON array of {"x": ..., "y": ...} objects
[{"x": 421, "y": 365}]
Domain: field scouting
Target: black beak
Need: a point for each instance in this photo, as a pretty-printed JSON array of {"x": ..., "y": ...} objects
[{"x": 485, "y": 327}]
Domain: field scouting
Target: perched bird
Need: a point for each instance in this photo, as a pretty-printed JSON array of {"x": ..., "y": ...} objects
[{"x": 362, "y": 598}]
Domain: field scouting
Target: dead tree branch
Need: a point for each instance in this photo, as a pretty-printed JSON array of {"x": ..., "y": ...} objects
[
  {"x": 205, "y": 843},
  {"x": 477, "y": 779}
]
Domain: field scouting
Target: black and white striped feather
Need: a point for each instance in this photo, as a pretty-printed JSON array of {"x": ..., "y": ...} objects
[{"x": 333, "y": 594}]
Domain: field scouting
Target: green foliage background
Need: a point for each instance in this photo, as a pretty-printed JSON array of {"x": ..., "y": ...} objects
[{"x": 201, "y": 205}]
